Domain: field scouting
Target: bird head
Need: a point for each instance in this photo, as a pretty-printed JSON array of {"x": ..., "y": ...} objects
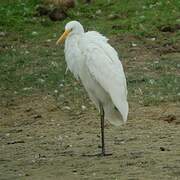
[{"x": 72, "y": 27}]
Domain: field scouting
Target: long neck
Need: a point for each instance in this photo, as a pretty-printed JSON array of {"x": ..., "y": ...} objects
[
  {"x": 72, "y": 52},
  {"x": 71, "y": 41}
]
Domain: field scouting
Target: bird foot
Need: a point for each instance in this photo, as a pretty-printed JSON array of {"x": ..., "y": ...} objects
[{"x": 98, "y": 154}]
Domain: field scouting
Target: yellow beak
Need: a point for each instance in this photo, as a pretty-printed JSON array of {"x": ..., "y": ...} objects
[{"x": 63, "y": 37}]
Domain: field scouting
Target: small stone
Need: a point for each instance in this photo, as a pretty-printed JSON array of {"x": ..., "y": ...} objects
[
  {"x": 48, "y": 40},
  {"x": 28, "y": 109},
  {"x": 94, "y": 174},
  {"x": 83, "y": 107},
  {"x": 153, "y": 39},
  {"x": 34, "y": 33},
  {"x": 156, "y": 62},
  {"x": 151, "y": 81},
  {"x": 113, "y": 16},
  {"x": 41, "y": 80},
  {"x": 61, "y": 85},
  {"x": 98, "y": 11},
  {"x": 53, "y": 63},
  {"x": 66, "y": 108},
  {"x": 60, "y": 138},
  {"x": 2, "y": 34},
  {"x": 27, "y": 88},
  {"x": 7, "y": 134},
  {"x": 134, "y": 45}
]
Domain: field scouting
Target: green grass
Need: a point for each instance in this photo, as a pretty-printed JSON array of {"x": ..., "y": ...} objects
[
  {"x": 30, "y": 61},
  {"x": 152, "y": 91},
  {"x": 33, "y": 68},
  {"x": 160, "y": 85},
  {"x": 139, "y": 17}
]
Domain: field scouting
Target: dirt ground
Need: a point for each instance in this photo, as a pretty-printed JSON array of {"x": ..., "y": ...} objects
[
  {"x": 39, "y": 140},
  {"x": 46, "y": 136}
]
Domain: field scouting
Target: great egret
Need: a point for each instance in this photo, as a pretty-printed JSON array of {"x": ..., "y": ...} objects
[{"x": 96, "y": 64}]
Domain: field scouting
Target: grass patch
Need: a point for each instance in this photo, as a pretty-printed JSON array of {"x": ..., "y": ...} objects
[{"x": 30, "y": 61}]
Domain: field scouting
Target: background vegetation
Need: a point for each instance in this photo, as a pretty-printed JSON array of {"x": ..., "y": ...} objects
[
  {"x": 47, "y": 123},
  {"x": 145, "y": 34}
]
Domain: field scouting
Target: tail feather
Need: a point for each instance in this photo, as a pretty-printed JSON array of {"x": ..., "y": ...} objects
[{"x": 113, "y": 115}]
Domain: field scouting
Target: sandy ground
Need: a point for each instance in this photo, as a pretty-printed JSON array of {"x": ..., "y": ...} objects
[{"x": 41, "y": 141}]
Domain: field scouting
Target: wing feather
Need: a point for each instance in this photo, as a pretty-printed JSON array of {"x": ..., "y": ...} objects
[
  {"x": 103, "y": 63},
  {"x": 96, "y": 36}
]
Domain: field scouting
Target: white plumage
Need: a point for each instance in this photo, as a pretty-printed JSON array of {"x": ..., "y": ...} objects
[{"x": 96, "y": 64}]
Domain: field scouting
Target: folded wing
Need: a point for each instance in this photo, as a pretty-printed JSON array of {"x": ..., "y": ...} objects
[{"x": 103, "y": 63}]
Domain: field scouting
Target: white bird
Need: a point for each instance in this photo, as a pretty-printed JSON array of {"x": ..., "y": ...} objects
[{"x": 96, "y": 64}]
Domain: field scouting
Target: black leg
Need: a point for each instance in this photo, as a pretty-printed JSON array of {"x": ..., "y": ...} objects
[
  {"x": 102, "y": 130},
  {"x": 103, "y": 152}
]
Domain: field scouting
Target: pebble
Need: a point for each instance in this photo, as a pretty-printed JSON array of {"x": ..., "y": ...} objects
[
  {"x": 83, "y": 107},
  {"x": 27, "y": 88},
  {"x": 41, "y": 80},
  {"x": 34, "y": 33},
  {"x": 56, "y": 91},
  {"x": 48, "y": 40},
  {"x": 153, "y": 39},
  {"x": 98, "y": 11},
  {"x": 134, "y": 45},
  {"x": 53, "y": 63},
  {"x": 66, "y": 108},
  {"x": 2, "y": 34},
  {"x": 7, "y": 134}
]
